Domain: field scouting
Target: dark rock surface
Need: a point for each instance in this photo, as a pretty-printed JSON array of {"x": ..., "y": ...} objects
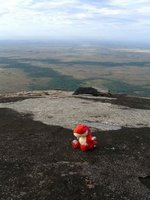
[
  {"x": 91, "y": 91},
  {"x": 37, "y": 162},
  {"x": 13, "y": 99},
  {"x": 119, "y": 99},
  {"x": 131, "y": 102}
]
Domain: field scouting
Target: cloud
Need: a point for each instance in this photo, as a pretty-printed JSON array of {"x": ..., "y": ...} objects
[
  {"x": 73, "y": 17},
  {"x": 128, "y": 2},
  {"x": 44, "y": 5},
  {"x": 144, "y": 10}
]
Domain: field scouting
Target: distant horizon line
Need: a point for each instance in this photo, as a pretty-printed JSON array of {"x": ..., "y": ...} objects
[{"x": 90, "y": 41}]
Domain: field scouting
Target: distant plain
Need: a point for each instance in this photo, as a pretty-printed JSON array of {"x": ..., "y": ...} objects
[{"x": 66, "y": 66}]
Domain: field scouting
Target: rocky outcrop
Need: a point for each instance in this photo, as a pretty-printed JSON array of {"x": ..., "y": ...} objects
[
  {"x": 38, "y": 162},
  {"x": 64, "y": 109},
  {"x": 91, "y": 91}
]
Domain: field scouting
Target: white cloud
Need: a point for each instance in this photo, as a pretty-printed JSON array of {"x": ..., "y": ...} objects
[
  {"x": 128, "y": 2},
  {"x": 144, "y": 10},
  {"x": 29, "y": 17},
  {"x": 108, "y": 11},
  {"x": 53, "y": 4}
]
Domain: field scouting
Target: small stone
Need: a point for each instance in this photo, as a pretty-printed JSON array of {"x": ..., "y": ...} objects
[
  {"x": 113, "y": 148},
  {"x": 91, "y": 186},
  {"x": 22, "y": 193},
  {"x": 72, "y": 173},
  {"x": 63, "y": 175},
  {"x": 41, "y": 183}
]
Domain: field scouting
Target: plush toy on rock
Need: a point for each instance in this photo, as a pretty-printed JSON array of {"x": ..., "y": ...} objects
[{"x": 85, "y": 140}]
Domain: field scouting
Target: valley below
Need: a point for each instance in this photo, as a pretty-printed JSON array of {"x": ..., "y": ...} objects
[{"x": 66, "y": 66}]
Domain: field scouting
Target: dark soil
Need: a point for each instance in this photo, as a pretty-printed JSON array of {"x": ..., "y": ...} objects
[
  {"x": 132, "y": 102},
  {"x": 123, "y": 100},
  {"x": 38, "y": 163},
  {"x": 14, "y": 99},
  {"x": 120, "y": 99}
]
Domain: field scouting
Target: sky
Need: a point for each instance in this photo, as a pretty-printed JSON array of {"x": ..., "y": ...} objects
[{"x": 75, "y": 19}]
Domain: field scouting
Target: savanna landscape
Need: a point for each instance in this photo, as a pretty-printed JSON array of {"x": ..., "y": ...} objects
[{"x": 67, "y": 65}]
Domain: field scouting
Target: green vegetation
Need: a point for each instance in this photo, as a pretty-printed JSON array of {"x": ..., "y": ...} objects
[
  {"x": 45, "y": 78},
  {"x": 57, "y": 81},
  {"x": 90, "y": 63},
  {"x": 116, "y": 86}
]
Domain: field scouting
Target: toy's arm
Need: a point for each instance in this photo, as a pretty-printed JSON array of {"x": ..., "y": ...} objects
[
  {"x": 75, "y": 144},
  {"x": 93, "y": 138}
]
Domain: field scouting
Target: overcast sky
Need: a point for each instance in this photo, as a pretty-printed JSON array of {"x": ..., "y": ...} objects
[{"x": 87, "y": 19}]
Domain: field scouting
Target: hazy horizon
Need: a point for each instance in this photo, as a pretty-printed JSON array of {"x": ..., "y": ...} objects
[{"x": 90, "y": 42}]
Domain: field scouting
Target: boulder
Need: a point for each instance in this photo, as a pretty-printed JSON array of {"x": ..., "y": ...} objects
[{"x": 91, "y": 91}]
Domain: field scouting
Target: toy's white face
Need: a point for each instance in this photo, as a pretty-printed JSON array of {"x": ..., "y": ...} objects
[{"x": 77, "y": 135}]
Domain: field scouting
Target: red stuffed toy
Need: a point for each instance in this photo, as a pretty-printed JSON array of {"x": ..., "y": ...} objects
[{"x": 85, "y": 140}]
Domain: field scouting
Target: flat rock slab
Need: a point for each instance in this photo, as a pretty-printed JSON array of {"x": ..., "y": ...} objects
[
  {"x": 66, "y": 110},
  {"x": 37, "y": 162}
]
